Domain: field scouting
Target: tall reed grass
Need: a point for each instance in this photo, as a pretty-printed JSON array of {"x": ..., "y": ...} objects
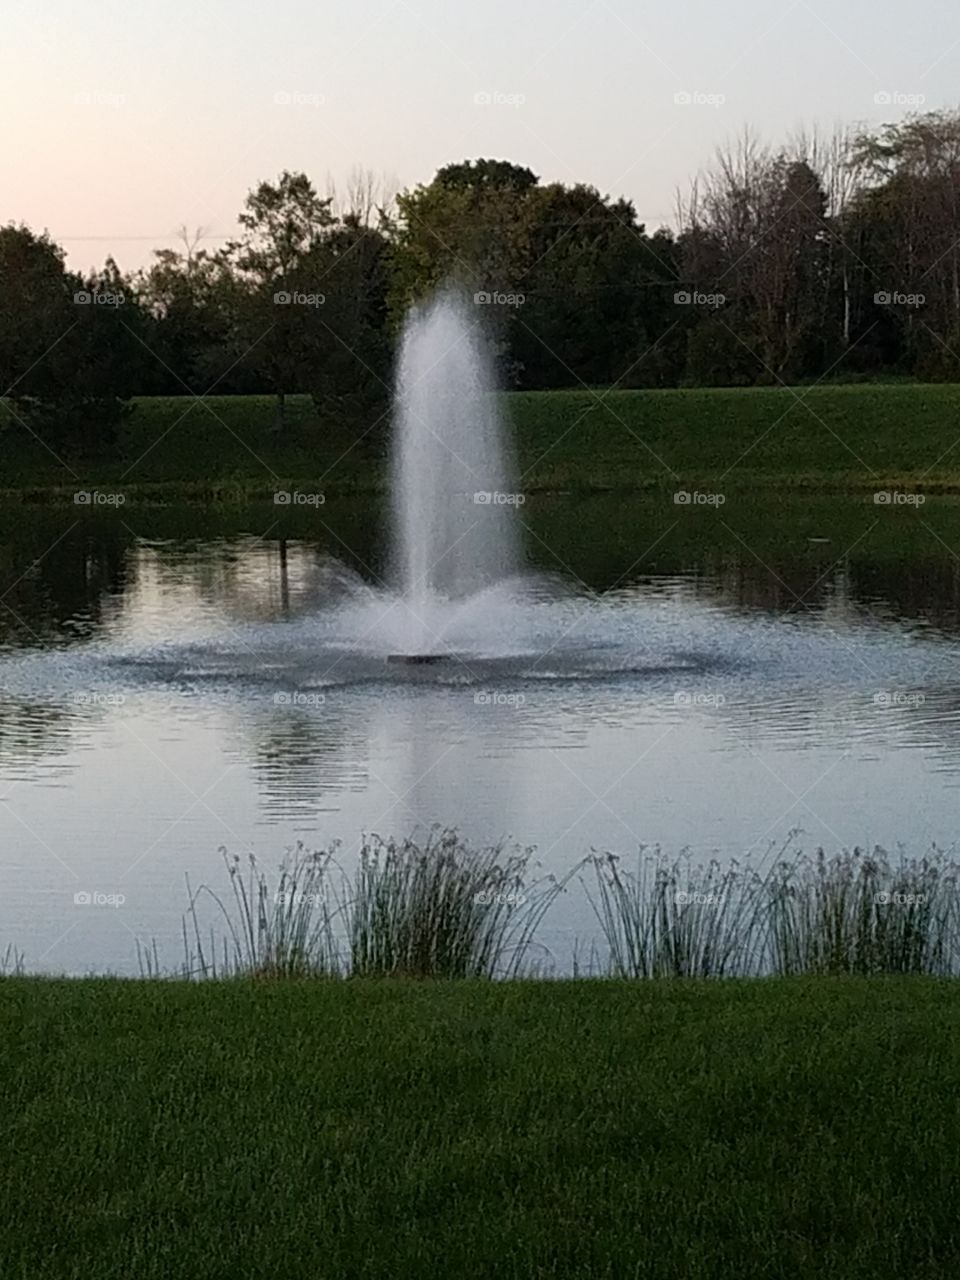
[
  {"x": 855, "y": 912},
  {"x": 441, "y": 908},
  {"x": 437, "y": 908},
  {"x": 677, "y": 919},
  {"x": 862, "y": 913}
]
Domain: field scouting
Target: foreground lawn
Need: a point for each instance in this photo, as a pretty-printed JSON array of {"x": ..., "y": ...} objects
[
  {"x": 864, "y": 437},
  {"x": 575, "y": 1129}
]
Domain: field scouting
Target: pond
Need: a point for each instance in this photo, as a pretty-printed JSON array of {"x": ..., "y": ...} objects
[{"x": 703, "y": 678}]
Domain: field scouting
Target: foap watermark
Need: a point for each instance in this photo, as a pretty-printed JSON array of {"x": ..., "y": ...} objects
[
  {"x": 688, "y": 698},
  {"x": 696, "y": 98},
  {"x": 94, "y": 898},
  {"x": 293, "y": 298},
  {"x": 493, "y": 698},
  {"x": 287, "y": 98},
  {"x": 894, "y": 898},
  {"x": 299, "y": 698},
  {"x": 98, "y": 298},
  {"x": 98, "y": 98},
  {"x": 898, "y": 698},
  {"x": 896, "y": 98},
  {"x": 294, "y": 498},
  {"x": 484, "y": 498},
  {"x": 494, "y": 98},
  {"x": 287, "y": 898},
  {"x": 94, "y": 498},
  {"x": 693, "y": 298},
  {"x": 90, "y": 699},
  {"x": 694, "y": 498},
  {"x": 499, "y": 898},
  {"x": 695, "y": 898},
  {"x": 894, "y": 498},
  {"x": 484, "y": 299},
  {"x": 895, "y": 298}
]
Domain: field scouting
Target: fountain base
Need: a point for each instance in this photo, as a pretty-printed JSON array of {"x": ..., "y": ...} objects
[{"x": 417, "y": 659}]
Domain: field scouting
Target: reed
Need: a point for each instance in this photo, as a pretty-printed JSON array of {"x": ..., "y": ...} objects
[
  {"x": 856, "y": 912},
  {"x": 860, "y": 912},
  {"x": 677, "y": 919},
  {"x": 285, "y": 929},
  {"x": 438, "y": 908}
]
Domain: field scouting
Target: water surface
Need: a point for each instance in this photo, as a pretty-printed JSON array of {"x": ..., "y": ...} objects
[{"x": 176, "y": 680}]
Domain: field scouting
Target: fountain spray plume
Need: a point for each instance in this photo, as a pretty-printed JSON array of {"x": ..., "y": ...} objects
[{"x": 454, "y": 509}]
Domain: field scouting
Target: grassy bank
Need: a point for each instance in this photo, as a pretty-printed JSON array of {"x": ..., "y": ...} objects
[
  {"x": 604, "y": 1129},
  {"x": 863, "y": 438}
]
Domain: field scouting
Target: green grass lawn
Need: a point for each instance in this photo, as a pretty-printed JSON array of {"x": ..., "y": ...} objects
[
  {"x": 575, "y": 1129},
  {"x": 863, "y": 437}
]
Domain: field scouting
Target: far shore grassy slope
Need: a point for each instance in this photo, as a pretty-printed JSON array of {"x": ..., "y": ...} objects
[{"x": 862, "y": 438}]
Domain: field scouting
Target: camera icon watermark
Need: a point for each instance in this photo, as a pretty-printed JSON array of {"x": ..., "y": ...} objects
[
  {"x": 896, "y": 298},
  {"x": 98, "y": 98},
  {"x": 294, "y": 498},
  {"x": 494, "y": 98},
  {"x": 692, "y": 298},
  {"x": 98, "y": 298},
  {"x": 686, "y": 698},
  {"x": 97, "y": 899},
  {"x": 486, "y": 498},
  {"x": 894, "y": 498},
  {"x": 696, "y": 98},
  {"x": 94, "y": 498},
  {"x": 286, "y": 98},
  {"x": 493, "y": 698},
  {"x": 307, "y": 699},
  {"x": 93, "y": 699},
  {"x": 895, "y": 98},
  {"x": 484, "y": 299},
  {"x": 694, "y": 498},
  {"x": 294, "y": 298},
  {"x": 695, "y": 898},
  {"x": 898, "y": 698}
]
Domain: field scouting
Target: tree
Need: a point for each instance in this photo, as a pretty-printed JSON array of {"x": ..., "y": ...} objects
[
  {"x": 351, "y": 385},
  {"x": 278, "y": 263},
  {"x": 471, "y": 223},
  {"x": 596, "y": 288},
  {"x": 69, "y": 361}
]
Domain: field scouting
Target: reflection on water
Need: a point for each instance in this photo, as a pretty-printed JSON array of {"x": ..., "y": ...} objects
[{"x": 175, "y": 681}]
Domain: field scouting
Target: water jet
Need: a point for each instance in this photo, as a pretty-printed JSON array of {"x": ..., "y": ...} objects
[{"x": 452, "y": 533}]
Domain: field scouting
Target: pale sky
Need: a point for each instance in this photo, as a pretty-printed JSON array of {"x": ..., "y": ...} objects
[{"x": 123, "y": 120}]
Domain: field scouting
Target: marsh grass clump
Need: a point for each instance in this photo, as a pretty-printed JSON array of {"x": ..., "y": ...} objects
[
  {"x": 677, "y": 919},
  {"x": 282, "y": 930},
  {"x": 11, "y": 963},
  {"x": 853, "y": 913},
  {"x": 439, "y": 908},
  {"x": 443, "y": 909},
  {"x": 861, "y": 913}
]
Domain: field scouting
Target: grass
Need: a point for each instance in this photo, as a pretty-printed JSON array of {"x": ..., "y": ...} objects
[
  {"x": 857, "y": 912},
  {"x": 858, "y": 437},
  {"x": 677, "y": 920},
  {"x": 520, "y": 1130},
  {"x": 441, "y": 909},
  {"x": 861, "y": 913},
  {"x": 430, "y": 909}
]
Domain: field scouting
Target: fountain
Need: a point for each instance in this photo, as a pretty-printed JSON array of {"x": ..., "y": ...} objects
[{"x": 453, "y": 504}]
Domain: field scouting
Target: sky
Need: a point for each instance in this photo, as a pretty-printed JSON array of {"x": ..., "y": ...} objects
[{"x": 124, "y": 121}]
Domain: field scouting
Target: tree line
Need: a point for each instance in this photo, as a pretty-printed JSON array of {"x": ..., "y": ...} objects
[{"x": 825, "y": 257}]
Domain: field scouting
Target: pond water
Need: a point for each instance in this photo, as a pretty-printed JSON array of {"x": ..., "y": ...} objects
[{"x": 706, "y": 679}]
